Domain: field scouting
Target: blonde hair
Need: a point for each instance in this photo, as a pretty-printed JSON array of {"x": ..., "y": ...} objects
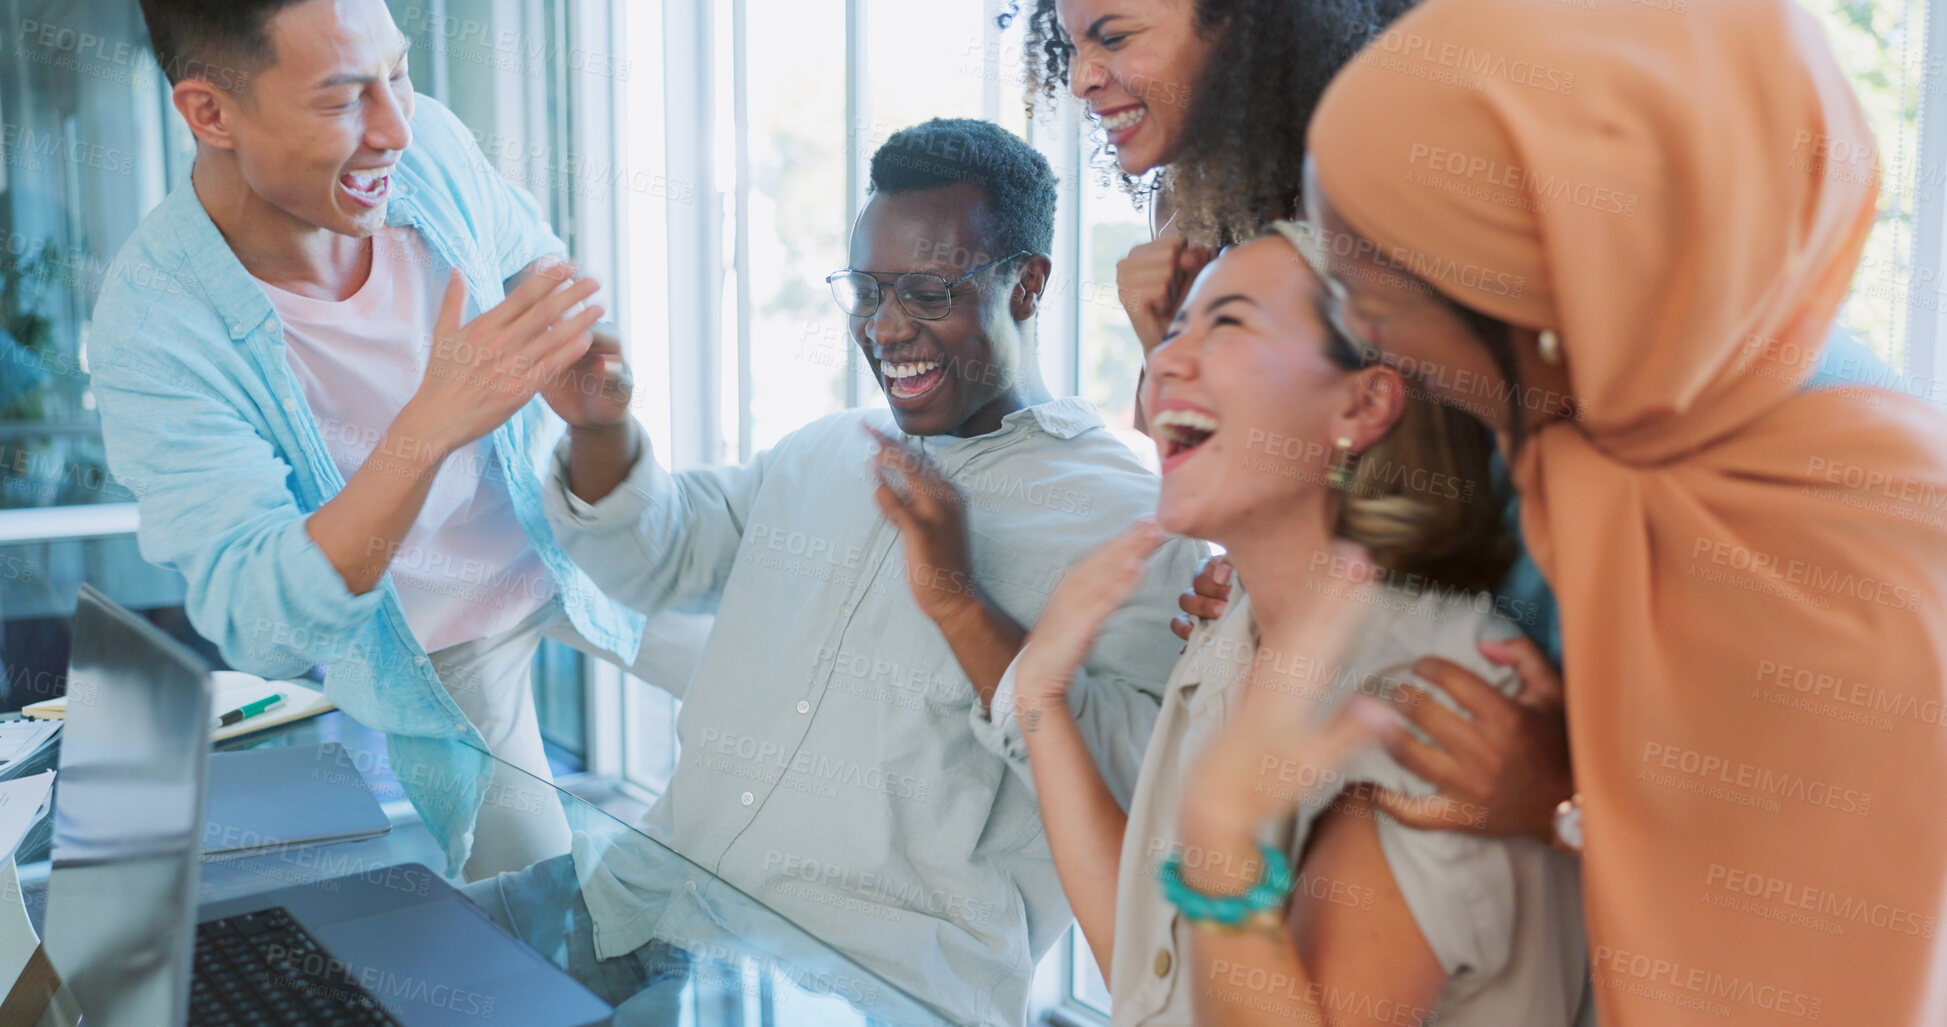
[{"x": 1423, "y": 499}]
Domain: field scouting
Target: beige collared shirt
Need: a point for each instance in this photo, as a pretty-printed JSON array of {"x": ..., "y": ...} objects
[{"x": 1503, "y": 915}]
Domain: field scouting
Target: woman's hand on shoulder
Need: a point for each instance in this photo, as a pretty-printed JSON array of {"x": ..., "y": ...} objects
[
  {"x": 1503, "y": 767},
  {"x": 1207, "y": 597}
]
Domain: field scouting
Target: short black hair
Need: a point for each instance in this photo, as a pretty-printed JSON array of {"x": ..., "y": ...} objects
[
  {"x": 1019, "y": 184},
  {"x": 218, "y": 41}
]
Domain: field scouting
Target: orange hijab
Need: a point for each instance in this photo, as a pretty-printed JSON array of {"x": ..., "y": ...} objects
[{"x": 1752, "y": 577}]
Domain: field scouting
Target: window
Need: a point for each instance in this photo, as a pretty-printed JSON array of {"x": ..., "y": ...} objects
[
  {"x": 85, "y": 151},
  {"x": 1895, "y": 302},
  {"x": 789, "y": 134},
  {"x": 791, "y": 189},
  {"x": 1108, "y": 354},
  {"x": 88, "y": 151},
  {"x": 1085, "y": 985}
]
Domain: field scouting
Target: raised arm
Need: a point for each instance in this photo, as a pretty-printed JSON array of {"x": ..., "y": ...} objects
[
  {"x": 277, "y": 590},
  {"x": 656, "y": 540},
  {"x": 1084, "y": 820},
  {"x": 1152, "y": 280},
  {"x": 478, "y": 376},
  {"x": 925, "y": 506}
]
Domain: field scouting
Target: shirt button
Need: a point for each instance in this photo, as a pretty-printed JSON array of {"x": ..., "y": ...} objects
[
  {"x": 748, "y": 798},
  {"x": 419, "y": 661},
  {"x": 290, "y": 406},
  {"x": 270, "y": 324},
  {"x": 689, "y": 885},
  {"x": 804, "y": 706},
  {"x": 845, "y": 611},
  {"x": 1162, "y": 962}
]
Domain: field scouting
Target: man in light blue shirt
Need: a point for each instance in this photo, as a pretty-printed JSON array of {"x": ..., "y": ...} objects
[
  {"x": 873, "y": 575},
  {"x": 267, "y": 475}
]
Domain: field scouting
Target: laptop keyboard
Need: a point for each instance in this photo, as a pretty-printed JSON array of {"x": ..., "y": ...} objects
[{"x": 265, "y": 968}]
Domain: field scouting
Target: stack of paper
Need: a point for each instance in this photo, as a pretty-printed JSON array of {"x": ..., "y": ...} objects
[
  {"x": 21, "y": 739},
  {"x": 22, "y": 801}
]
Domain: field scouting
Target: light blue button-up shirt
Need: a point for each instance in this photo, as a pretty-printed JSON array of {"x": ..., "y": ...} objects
[{"x": 205, "y": 424}]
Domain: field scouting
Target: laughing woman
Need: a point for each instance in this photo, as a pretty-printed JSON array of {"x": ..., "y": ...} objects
[
  {"x": 1279, "y": 443},
  {"x": 1662, "y": 232},
  {"x": 1201, "y": 106}
]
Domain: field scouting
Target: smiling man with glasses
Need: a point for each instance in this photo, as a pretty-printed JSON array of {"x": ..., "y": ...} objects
[
  {"x": 872, "y": 576},
  {"x": 913, "y": 365}
]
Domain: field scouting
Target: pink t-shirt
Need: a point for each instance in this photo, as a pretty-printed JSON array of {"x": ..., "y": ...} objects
[{"x": 465, "y": 570}]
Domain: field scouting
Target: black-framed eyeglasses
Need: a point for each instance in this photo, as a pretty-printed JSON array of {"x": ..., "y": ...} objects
[{"x": 921, "y": 294}]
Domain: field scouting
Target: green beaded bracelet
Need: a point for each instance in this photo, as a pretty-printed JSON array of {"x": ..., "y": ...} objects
[{"x": 1273, "y": 887}]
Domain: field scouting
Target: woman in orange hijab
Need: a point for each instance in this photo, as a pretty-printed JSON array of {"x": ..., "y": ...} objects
[{"x": 1619, "y": 232}]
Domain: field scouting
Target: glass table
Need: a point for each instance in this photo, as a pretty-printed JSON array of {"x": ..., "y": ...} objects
[{"x": 717, "y": 957}]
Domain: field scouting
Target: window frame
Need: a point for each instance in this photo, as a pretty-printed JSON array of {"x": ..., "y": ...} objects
[{"x": 1927, "y": 328}]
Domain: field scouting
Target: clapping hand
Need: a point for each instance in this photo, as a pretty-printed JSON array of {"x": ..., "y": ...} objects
[
  {"x": 919, "y": 500},
  {"x": 594, "y": 391}
]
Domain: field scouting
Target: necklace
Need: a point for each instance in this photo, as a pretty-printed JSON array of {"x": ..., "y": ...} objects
[{"x": 1156, "y": 193}]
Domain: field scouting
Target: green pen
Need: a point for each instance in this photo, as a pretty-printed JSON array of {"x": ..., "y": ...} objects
[{"x": 248, "y": 710}]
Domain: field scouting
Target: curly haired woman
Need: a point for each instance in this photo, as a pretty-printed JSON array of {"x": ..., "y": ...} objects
[
  {"x": 1201, "y": 108},
  {"x": 1209, "y": 101}
]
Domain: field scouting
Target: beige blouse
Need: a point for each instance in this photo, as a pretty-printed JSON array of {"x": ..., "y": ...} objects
[{"x": 1503, "y": 915}]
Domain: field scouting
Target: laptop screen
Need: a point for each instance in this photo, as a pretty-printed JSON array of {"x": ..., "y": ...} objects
[{"x": 128, "y": 805}]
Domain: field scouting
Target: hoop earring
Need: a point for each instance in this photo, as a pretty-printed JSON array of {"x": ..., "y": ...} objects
[
  {"x": 1550, "y": 345},
  {"x": 1340, "y": 476}
]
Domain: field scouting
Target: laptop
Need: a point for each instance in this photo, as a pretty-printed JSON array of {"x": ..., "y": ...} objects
[{"x": 123, "y": 930}]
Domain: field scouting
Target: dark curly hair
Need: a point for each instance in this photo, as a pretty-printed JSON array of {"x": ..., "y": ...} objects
[
  {"x": 1243, "y": 152},
  {"x": 1019, "y": 184}
]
